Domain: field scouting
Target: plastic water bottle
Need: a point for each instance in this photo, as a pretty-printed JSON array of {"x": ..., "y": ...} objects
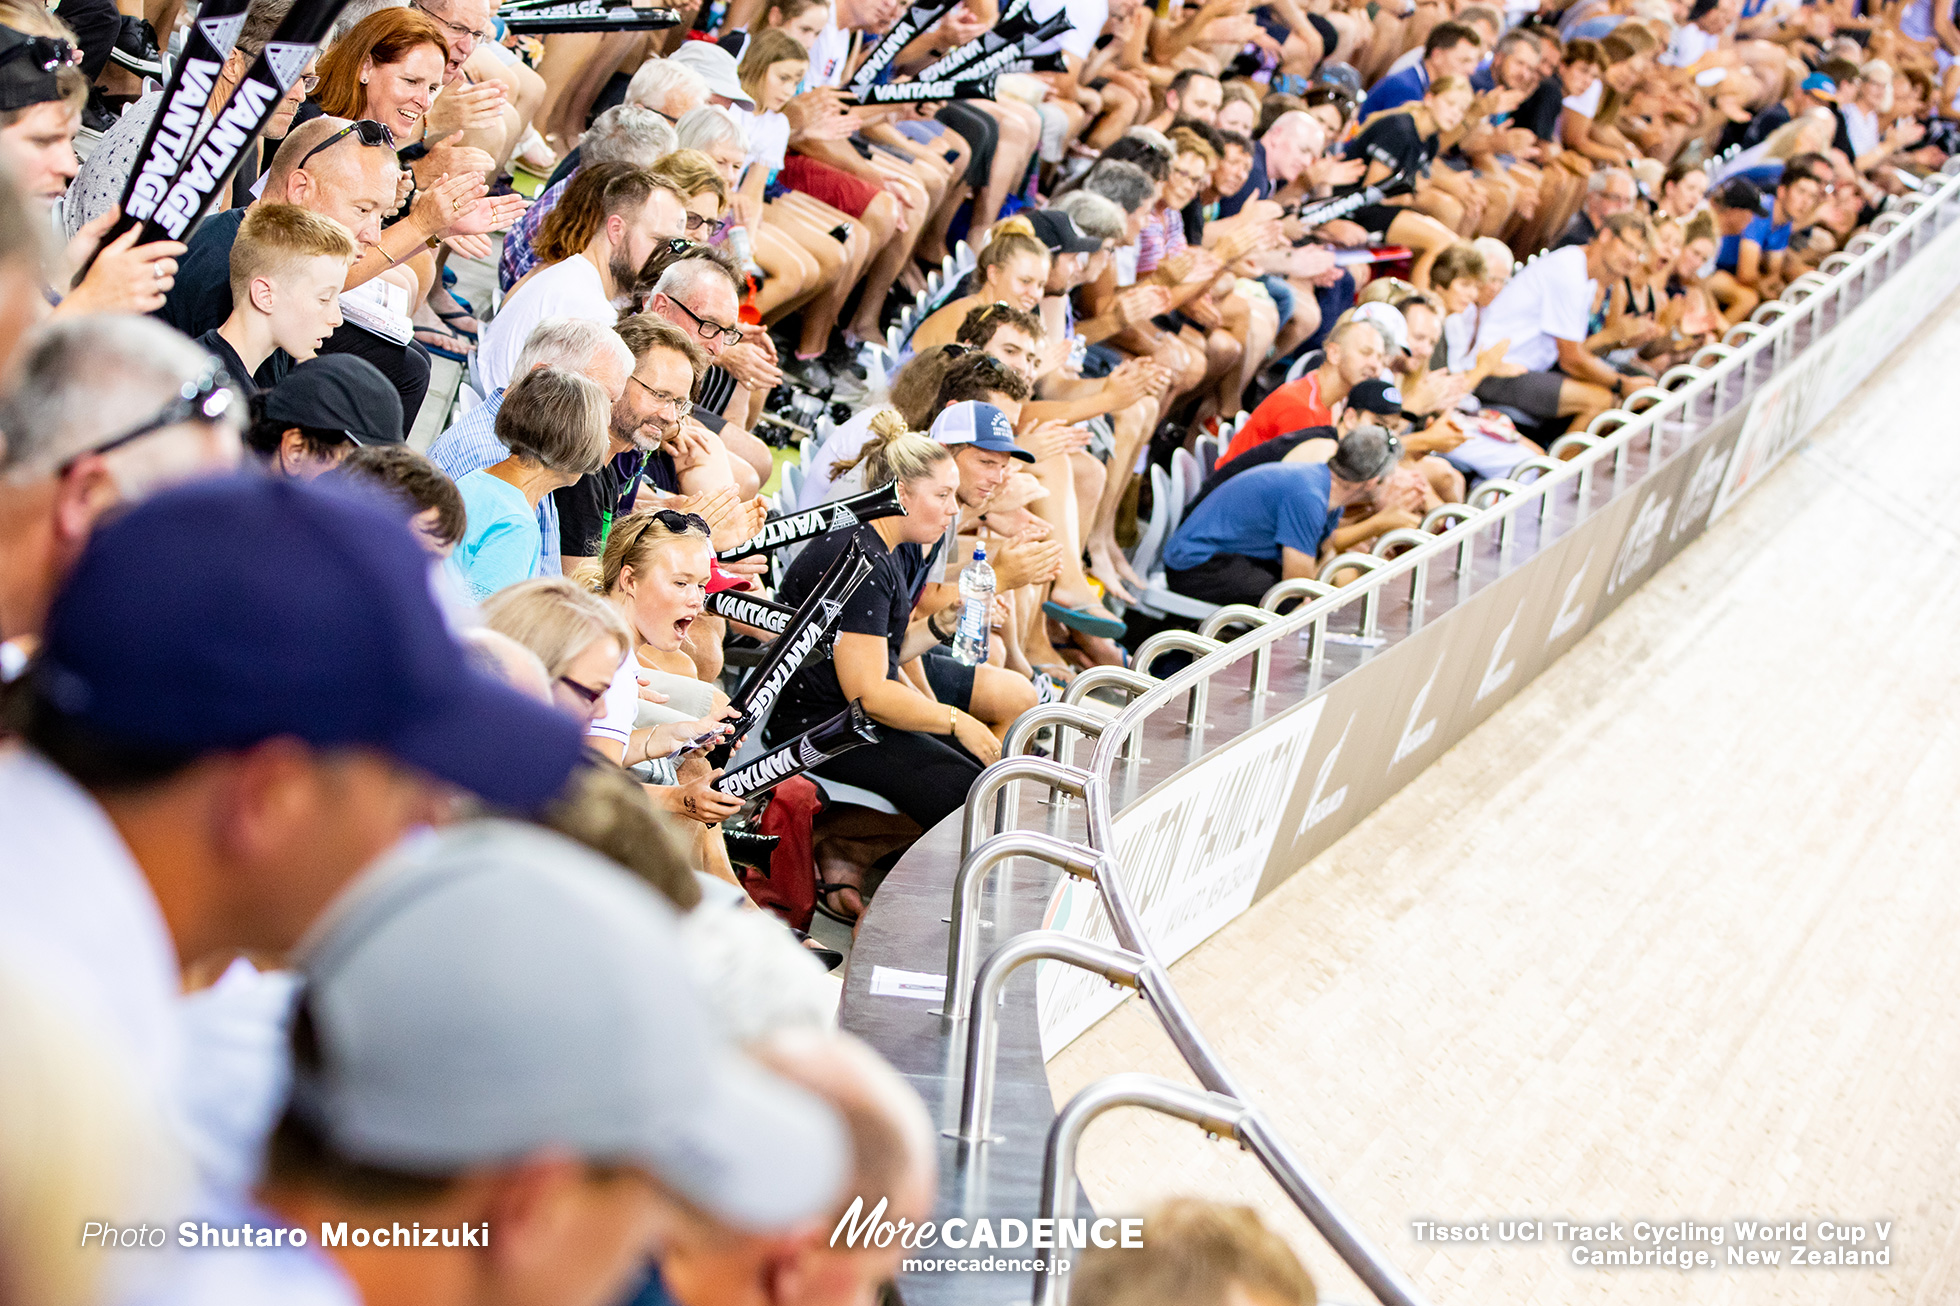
[{"x": 976, "y": 609}]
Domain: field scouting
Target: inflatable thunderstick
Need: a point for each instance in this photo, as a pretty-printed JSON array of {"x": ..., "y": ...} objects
[
  {"x": 821, "y": 520},
  {"x": 813, "y": 623},
  {"x": 1020, "y": 31},
  {"x": 749, "y": 610},
  {"x": 240, "y": 119},
  {"x": 177, "y": 127},
  {"x": 961, "y": 88},
  {"x": 919, "y": 17},
  {"x": 849, "y": 729}
]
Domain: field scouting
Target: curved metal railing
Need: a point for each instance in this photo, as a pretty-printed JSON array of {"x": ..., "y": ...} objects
[{"x": 1688, "y": 400}]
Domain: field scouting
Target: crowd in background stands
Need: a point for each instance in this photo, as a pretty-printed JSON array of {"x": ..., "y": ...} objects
[{"x": 1416, "y": 240}]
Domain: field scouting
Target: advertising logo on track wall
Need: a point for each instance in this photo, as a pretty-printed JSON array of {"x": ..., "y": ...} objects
[
  {"x": 1192, "y": 851},
  {"x": 1784, "y": 411}
]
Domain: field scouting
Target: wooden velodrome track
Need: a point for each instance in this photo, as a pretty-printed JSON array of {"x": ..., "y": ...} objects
[{"x": 1672, "y": 936}]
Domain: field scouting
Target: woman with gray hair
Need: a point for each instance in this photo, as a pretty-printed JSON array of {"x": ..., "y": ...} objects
[{"x": 554, "y": 423}]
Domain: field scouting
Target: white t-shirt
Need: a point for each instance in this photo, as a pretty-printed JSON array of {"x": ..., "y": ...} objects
[
  {"x": 1087, "y": 18},
  {"x": 1690, "y": 43},
  {"x": 828, "y": 55},
  {"x": 621, "y": 710},
  {"x": 1588, "y": 103},
  {"x": 768, "y": 137},
  {"x": 1460, "y": 339},
  {"x": 1548, "y": 301},
  {"x": 570, "y": 288}
]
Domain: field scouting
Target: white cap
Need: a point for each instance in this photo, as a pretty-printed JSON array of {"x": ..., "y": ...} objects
[{"x": 716, "y": 67}]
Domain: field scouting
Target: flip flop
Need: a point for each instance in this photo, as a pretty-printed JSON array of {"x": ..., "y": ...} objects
[
  {"x": 824, "y": 889},
  {"x": 1084, "y": 620},
  {"x": 427, "y": 337}
]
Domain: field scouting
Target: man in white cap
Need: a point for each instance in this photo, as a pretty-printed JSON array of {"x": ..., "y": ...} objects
[
  {"x": 500, "y": 1062},
  {"x": 716, "y": 67}
]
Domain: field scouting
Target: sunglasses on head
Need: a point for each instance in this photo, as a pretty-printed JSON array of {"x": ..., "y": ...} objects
[
  {"x": 203, "y": 398},
  {"x": 681, "y": 523},
  {"x": 367, "y": 130},
  {"x": 45, "y": 52}
]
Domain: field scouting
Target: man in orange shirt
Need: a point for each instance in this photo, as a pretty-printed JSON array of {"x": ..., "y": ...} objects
[{"x": 1354, "y": 353}]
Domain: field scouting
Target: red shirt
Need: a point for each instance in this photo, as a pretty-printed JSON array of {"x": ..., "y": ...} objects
[{"x": 1293, "y": 407}]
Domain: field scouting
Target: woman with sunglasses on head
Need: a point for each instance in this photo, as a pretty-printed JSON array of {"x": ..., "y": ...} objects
[
  {"x": 42, "y": 92},
  {"x": 655, "y": 573}
]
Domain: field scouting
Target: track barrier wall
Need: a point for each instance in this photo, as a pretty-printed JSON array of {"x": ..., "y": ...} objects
[{"x": 1346, "y": 699}]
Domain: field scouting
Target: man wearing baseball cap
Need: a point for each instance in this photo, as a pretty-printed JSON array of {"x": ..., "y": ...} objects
[
  {"x": 244, "y": 695},
  {"x": 1268, "y": 524},
  {"x": 497, "y": 1040},
  {"x": 716, "y": 67}
]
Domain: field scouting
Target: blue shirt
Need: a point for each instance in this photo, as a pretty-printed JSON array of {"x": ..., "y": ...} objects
[
  {"x": 471, "y": 445},
  {"x": 500, "y": 543},
  {"x": 1396, "y": 90},
  {"x": 1762, "y": 232},
  {"x": 1256, "y": 513}
]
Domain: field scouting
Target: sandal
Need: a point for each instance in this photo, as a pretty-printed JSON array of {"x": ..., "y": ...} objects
[
  {"x": 1086, "y": 620},
  {"x": 440, "y": 341},
  {"x": 825, "y": 888}
]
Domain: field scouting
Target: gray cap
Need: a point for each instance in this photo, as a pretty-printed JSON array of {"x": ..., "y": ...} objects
[{"x": 495, "y": 989}]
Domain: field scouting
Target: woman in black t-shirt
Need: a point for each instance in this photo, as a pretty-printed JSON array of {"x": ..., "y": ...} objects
[
  {"x": 931, "y": 751},
  {"x": 1400, "y": 145}
]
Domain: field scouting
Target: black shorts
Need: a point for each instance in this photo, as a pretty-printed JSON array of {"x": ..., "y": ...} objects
[
  {"x": 1534, "y": 394},
  {"x": 950, "y": 678},
  {"x": 1375, "y": 218},
  {"x": 981, "y": 134},
  {"x": 1225, "y": 578}
]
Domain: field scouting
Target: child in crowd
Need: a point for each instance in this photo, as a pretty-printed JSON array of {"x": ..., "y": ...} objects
[{"x": 287, "y": 267}]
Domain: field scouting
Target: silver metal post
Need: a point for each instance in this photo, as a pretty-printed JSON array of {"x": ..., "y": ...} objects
[
  {"x": 983, "y": 1030},
  {"x": 1166, "y": 641},
  {"x": 967, "y": 881}
]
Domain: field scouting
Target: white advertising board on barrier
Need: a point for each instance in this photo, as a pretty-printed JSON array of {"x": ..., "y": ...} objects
[
  {"x": 1191, "y": 856},
  {"x": 1206, "y": 844},
  {"x": 1784, "y": 411}
]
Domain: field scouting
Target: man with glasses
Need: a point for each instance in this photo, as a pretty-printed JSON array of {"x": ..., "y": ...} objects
[
  {"x": 476, "y": 81},
  {"x": 637, "y": 213},
  {"x": 1608, "y": 191},
  {"x": 345, "y": 171},
  {"x": 108, "y": 411},
  {"x": 699, "y": 295}
]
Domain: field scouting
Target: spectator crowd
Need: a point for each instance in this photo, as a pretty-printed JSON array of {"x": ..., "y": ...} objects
[{"x": 366, "y": 557}]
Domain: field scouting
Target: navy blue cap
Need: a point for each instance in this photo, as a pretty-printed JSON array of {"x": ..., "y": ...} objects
[
  {"x": 971, "y": 422},
  {"x": 243, "y": 608}
]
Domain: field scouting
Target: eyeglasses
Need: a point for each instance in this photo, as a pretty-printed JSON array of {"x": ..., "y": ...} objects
[
  {"x": 370, "y": 133},
  {"x": 456, "y": 30},
  {"x": 682, "y": 407},
  {"x": 203, "y": 398},
  {"x": 309, "y": 82},
  {"x": 585, "y": 692},
  {"x": 696, "y": 221},
  {"x": 682, "y": 523},
  {"x": 709, "y": 330}
]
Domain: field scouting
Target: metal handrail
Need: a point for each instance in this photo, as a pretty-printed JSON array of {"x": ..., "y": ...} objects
[
  {"x": 1071, "y": 857},
  {"x": 1116, "y": 965},
  {"x": 1223, "y": 1107}
]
